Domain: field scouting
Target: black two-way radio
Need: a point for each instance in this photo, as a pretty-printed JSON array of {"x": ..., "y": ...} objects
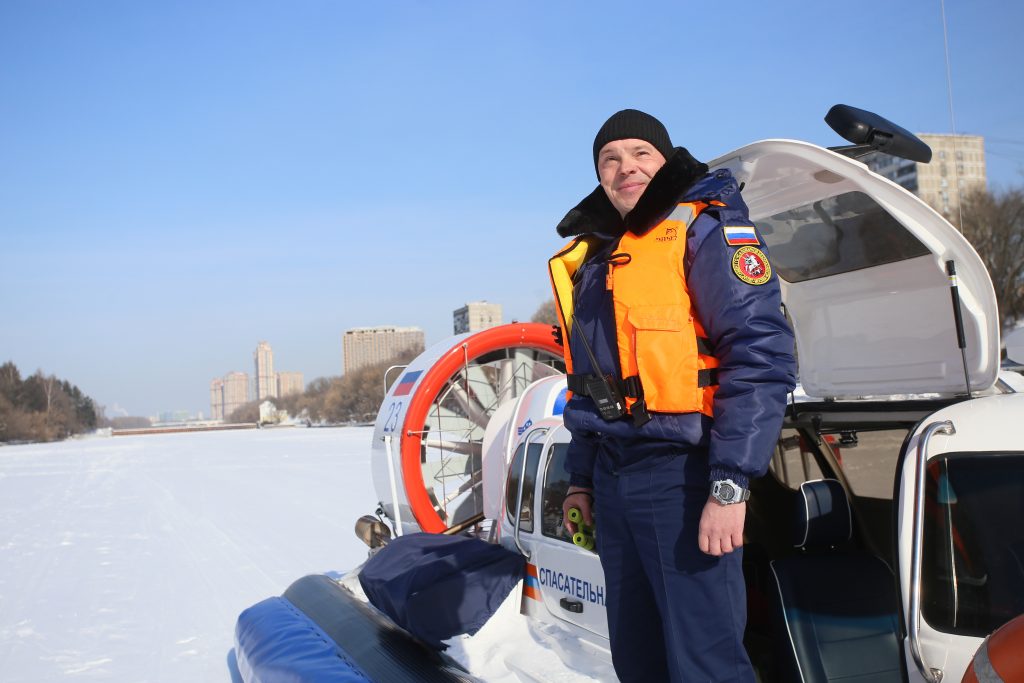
[{"x": 602, "y": 389}]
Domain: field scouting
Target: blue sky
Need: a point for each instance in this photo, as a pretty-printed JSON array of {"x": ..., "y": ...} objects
[{"x": 179, "y": 181}]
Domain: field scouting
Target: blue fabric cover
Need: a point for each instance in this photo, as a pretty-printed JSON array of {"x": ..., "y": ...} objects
[
  {"x": 436, "y": 587},
  {"x": 274, "y": 641}
]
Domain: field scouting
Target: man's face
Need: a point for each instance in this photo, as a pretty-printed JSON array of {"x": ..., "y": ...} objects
[{"x": 625, "y": 168}]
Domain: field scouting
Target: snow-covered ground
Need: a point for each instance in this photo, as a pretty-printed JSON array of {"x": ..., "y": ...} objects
[{"x": 130, "y": 558}]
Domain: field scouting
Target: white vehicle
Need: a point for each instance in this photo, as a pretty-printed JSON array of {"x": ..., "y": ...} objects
[{"x": 907, "y": 554}]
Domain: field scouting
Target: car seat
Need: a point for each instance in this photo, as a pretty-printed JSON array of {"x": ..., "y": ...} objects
[{"x": 836, "y": 607}]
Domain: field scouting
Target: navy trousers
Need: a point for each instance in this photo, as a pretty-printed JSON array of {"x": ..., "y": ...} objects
[{"x": 674, "y": 613}]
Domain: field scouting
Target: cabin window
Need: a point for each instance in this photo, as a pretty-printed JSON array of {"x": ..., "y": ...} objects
[
  {"x": 973, "y": 555},
  {"x": 868, "y": 459},
  {"x": 848, "y": 232},
  {"x": 793, "y": 462},
  {"x": 556, "y": 481},
  {"x": 529, "y": 481}
]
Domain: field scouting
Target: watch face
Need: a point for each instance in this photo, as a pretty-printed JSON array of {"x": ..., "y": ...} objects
[{"x": 726, "y": 492}]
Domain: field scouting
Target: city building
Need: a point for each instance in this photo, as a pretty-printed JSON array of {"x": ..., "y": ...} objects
[
  {"x": 266, "y": 382},
  {"x": 289, "y": 383},
  {"x": 476, "y": 316},
  {"x": 363, "y": 346},
  {"x": 236, "y": 392},
  {"x": 217, "y": 399},
  {"x": 957, "y": 168},
  {"x": 231, "y": 392}
]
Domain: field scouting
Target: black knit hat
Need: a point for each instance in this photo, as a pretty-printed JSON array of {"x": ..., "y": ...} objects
[{"x": 630, "y": 123}]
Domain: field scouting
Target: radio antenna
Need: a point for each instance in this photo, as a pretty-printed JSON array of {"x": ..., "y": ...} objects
[{"x": 952, "y": 116}]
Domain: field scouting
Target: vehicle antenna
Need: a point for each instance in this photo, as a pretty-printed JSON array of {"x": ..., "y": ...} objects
[
  {"x": 958, "y": 318},
  {"x": 952, "y": 117}
]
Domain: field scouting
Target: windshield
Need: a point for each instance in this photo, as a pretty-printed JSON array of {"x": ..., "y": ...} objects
[
  {"x": 973, "y": 564},
  {"x": 836, "y": 235}
]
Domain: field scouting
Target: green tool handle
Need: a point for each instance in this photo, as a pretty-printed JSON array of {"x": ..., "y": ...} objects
[
  {"x": 576, "y": 517},
  {"x": 584, "y": 536},
  {"x": 585, "y": 541}
]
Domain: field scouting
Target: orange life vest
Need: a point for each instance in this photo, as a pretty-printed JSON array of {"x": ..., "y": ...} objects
[{"x": 663, "y": 355}]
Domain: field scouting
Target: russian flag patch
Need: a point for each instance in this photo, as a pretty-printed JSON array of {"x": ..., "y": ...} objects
[
  {"x": 740, "y": 235},
  {"x": 406, "y": 383}
]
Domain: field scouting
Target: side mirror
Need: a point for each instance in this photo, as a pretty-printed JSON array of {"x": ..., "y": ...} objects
[
  {"x": 869, "y": 132},
  {"x": 372, "y": 531}
]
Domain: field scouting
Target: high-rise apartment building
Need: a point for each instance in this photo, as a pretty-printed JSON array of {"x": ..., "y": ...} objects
[
  {"x": 476, "y": 316},
  {"x": 289, "y": 383},
  {"x": 363, "y": 346},
  {"x": 231, "y": 392},
  {"x": 266, "y": 382},
  {"x": 217, "y": 399},
  {"x": 236, "y": 392},
  {"x": 957, "y": 167},
  {"x": 227, "y": 394}
]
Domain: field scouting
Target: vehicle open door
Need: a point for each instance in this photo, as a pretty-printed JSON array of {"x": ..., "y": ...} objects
[
  {"x": 960, "y": 540},
  {"x": 864, "y": 267},
  {"x": 888, "y": 300}
]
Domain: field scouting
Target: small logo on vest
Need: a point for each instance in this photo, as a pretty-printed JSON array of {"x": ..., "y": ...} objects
[
  {"x": 669, "y": 236},
  {"x": 751, "y": 265}
]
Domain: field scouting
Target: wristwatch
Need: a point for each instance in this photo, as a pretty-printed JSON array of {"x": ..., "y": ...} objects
[{"x": 728, "y": 492}]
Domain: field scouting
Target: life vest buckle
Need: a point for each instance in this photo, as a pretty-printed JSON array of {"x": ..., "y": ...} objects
[{"x": 640, "y": 414}]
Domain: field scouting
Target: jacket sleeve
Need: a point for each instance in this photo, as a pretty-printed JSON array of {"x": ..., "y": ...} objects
[
  {"x": 753, "y": 343},
  {"x": 582, "y": 452}
]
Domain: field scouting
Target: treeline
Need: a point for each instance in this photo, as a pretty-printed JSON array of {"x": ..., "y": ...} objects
[
  {"x": 353, "y": 397},
  {"x": 993, "y": 222},
  {"x": 41, "y": 407}
]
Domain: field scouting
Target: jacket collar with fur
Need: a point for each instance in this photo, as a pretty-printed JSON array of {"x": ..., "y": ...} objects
[{"x": 595, "y": 214}]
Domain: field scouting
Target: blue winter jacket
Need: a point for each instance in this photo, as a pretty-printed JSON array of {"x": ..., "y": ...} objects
[{"x": 744, "y": 323}]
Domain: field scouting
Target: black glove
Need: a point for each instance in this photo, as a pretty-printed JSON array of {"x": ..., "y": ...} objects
[{"x": 556, "y": 332}]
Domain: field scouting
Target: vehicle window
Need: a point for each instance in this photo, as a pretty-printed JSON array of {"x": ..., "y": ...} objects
[
  {"x": 556, "y": 481},
  {"x": 793, "y": 462},
  {"x": 869, "y": 460},
  {"x": 973, "y": 555},
  {"x": 836, "y": 235},
  {"x": 512, "y": 482},
  {"x": 512, "y": 487}
]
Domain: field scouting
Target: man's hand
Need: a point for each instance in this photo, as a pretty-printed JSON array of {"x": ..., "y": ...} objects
[
  {"x": 578, "y": 497},
  {"x": 721, "y": 527}
]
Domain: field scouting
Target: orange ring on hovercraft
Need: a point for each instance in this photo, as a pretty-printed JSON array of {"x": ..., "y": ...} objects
[{"x": 529, "y": 335}]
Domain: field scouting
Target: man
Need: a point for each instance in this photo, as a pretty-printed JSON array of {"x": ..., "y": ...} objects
[{"x": 679, "y": 362}]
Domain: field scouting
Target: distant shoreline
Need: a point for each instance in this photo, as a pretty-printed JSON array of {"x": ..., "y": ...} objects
[{"x": 183, "y": 428}]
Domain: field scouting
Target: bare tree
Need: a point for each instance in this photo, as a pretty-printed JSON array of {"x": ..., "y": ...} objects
[
  {"x": 994, "y": 225},
  {"x": 247, "y": 412},
  {"x": 10, "y": 381},
  {"x": 545, "y": 313}
]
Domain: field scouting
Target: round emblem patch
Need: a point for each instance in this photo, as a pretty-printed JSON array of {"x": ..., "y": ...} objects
[{"x": 751, "y": 265}]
